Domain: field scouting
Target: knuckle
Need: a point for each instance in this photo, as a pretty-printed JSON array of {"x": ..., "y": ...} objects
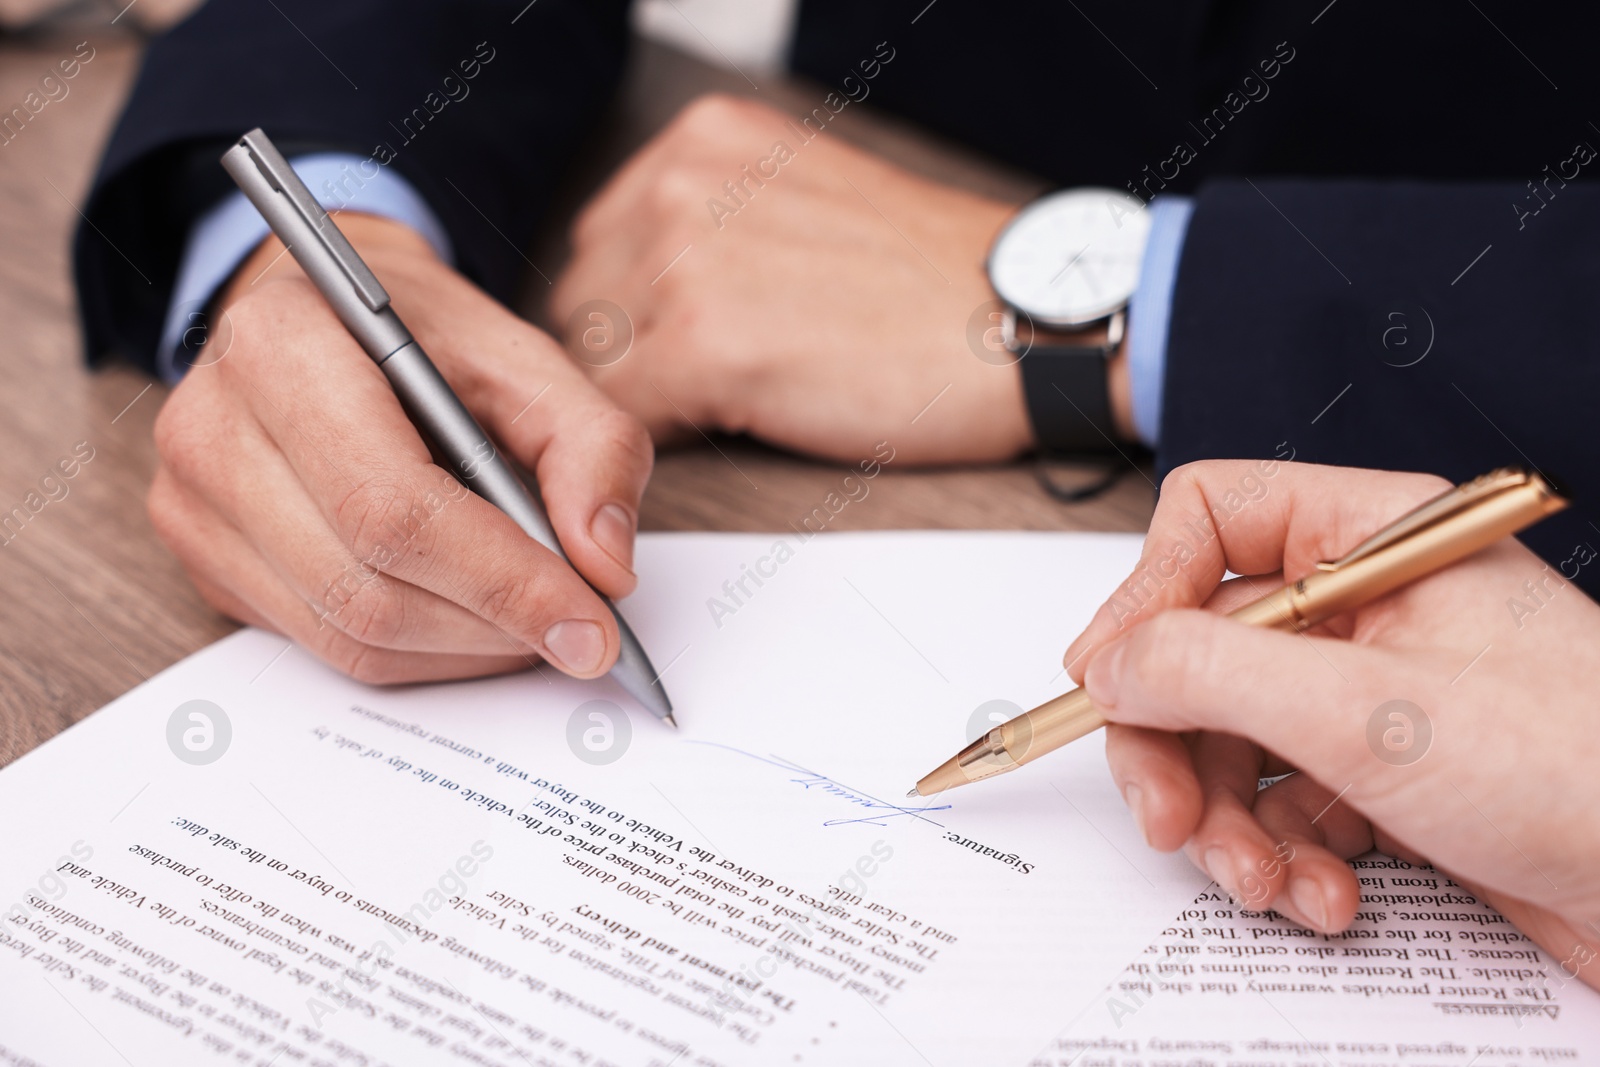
[
  {"x": 247, "y": 312},
  {"x": 676, "y": 189},
  {"x": 622, "y": 432},
  {"x": 1190, "y": 473},
  {"x": 584, "y": 235},
  {"x": 169, "y": 427},
  {"x": 710, "y": 116},
  {"x": 167, "y": 520},
  {"x": 161, "y": 502},
  {"x": 365, "y": 509},
  {"x": 367, "y": 664},
  {"x": 255, "y": 328},
  {"x": 364, "y": 663},
  {"x": 380, "y": 518},
  {"x": 375, "y": 614},
  {"x": 691, "y": 327},
  {"x": 512, "y": 603},
  {"x": 184, "y": 430},
  {"x": 564, "y": 297}
]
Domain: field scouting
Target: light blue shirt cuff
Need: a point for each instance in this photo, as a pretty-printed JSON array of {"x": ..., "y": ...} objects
[
  {"x": 226, "y": 234},
  {"x": 1150, "y": 313}
]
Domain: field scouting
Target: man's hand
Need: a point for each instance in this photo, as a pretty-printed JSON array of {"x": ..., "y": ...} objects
[
  {"x": 1438, "y": 724},
  {"x": 823, "y": 310},
  {"x": 300, "y": 498}
]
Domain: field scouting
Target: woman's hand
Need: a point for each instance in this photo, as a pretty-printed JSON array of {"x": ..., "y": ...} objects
[{"x": 1453, "y": 722}]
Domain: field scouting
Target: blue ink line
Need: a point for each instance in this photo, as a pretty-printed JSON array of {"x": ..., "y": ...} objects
[{"x": 882, "y": 811}]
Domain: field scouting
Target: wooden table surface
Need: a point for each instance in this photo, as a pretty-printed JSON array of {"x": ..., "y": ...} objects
[{"x": 91, "y": 603}]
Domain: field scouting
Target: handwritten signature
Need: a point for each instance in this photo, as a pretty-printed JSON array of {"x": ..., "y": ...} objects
[{"x": 809, "y": 780}]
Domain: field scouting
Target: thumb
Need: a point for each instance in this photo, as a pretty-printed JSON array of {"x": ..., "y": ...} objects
[
  {"x": 1308, "y": 699},
  {"x": 593, "y": 472},
  {"x": 592, "y": 461}
]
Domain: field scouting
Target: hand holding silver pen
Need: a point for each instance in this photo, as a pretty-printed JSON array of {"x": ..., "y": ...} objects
[{"x": 298, "y": 495}]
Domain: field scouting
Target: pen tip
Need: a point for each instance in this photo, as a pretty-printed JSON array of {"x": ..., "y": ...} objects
[
  {"x": 669, "y": 720},
  {"x": 913, "y": 792}
]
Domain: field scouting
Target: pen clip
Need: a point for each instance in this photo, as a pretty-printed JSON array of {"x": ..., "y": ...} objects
[
  {"x": 275, "y": 168},
  {"x": 1448, "y": 503}
]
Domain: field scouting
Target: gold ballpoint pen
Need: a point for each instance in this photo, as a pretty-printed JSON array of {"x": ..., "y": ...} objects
[{"x": 1445, "y": 530}]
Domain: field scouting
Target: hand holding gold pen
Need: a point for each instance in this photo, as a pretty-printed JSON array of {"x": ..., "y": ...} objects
[{"x": 1453, "y": 526}]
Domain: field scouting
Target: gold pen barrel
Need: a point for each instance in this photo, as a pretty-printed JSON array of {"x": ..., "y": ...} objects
[
  {"x": 1060, "y": 722},
  {"x": 1278, "y": 610},
  {"x": 1362, "y": 578},
  {"x": 1049, "y": 726},
  {"x": 1444, "y": 531}
]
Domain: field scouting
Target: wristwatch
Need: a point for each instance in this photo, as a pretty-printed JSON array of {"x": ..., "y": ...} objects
[{"x": 1066, "y": 263}]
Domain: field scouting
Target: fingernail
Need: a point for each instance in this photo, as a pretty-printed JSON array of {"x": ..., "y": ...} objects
[
  {"x": 612, "y": 529},
  {"x": 1104, "y": 676},
  {"x": 1219, "y": 867},
  {"x": 577, "y": 646},
  {"x": 1308, "y": 900},
  {"x": 1133, "y": 796}
]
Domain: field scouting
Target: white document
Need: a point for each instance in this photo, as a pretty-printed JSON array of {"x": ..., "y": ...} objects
[{"x": 456, "y": 875}]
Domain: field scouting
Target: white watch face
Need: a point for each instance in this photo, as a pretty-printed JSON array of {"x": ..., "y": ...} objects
[{"x": 1071, "y": 257}]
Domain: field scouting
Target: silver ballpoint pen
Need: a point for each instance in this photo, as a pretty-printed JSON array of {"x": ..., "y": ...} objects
[{"x": 445, "y": 424}]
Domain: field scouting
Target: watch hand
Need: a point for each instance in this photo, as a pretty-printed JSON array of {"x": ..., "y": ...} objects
[
  {"x": 1070, "y": 264},
  {"x": 1090, "y": 277}
]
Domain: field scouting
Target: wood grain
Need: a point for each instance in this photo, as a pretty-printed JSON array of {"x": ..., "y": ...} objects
[{"x": 91, "y": 603}]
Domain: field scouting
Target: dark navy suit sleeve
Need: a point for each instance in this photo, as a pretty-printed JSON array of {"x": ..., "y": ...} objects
[
  {"x": 478, "y": 103},
  {"x": 1396, "y": 324}
]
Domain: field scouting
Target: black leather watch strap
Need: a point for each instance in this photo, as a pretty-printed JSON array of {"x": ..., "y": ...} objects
[{"x": 1069, "y": 398}]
